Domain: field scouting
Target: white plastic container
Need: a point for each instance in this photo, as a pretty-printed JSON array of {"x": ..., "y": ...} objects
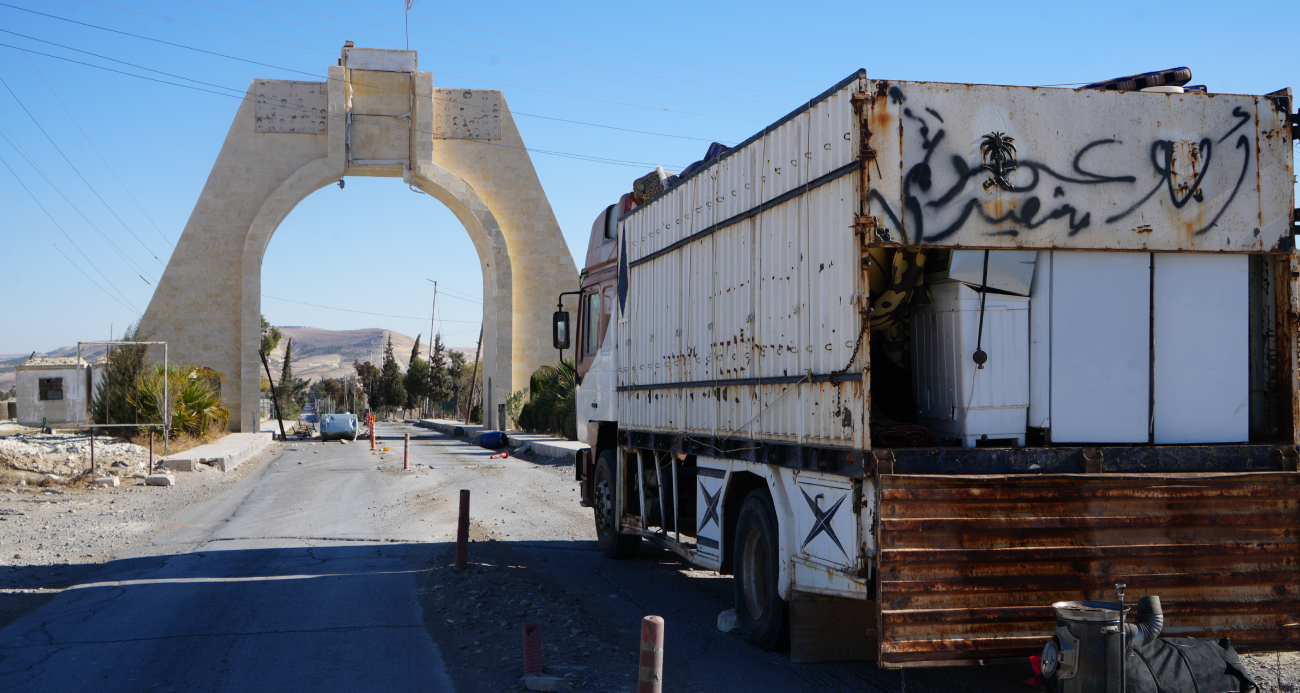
[
  {"x": 1008, "y": 270},
  {"x": 954, "y": 398}
]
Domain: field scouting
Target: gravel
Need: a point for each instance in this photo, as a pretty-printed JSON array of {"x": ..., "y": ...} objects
[
  {"x": 1270, "y": 668},
  {"x": 68, "y": 454}
]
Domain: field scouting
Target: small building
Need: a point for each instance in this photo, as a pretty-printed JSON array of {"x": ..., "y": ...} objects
[{"x": 58, "y": 391}]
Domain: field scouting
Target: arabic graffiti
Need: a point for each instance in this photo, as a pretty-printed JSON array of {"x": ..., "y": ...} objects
[{"x": 939, "y": 201}]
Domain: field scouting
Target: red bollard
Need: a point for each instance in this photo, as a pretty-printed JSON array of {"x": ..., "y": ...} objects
[
  {"x": 532, "y": 649},
  {"x": 462, "y": 531},
  {"x": 372, "y": 434},
  {"x": 650, "y": 678},
  {"x": 406, "y": 452}
]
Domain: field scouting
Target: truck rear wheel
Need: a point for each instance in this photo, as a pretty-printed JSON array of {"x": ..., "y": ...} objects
[
  {"x": 760, "y": 610},
  {"x": 613, "y": 543}
]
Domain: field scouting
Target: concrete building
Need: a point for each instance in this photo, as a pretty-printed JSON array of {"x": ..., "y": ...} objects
[{"x": 58, "y": 391}]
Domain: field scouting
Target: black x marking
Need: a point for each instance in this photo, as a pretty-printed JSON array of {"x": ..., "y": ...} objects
[
  {"x": 711, "y": 511},
  {"x": 823, "y": 521}
]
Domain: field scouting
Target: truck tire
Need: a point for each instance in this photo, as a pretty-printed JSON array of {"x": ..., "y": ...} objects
[
  {"x": 613, "y": 543},
  {"x": 760, "y": 610}
]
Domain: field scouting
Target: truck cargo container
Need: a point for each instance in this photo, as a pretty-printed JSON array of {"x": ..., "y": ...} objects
[{"x": 919, "y": 359}]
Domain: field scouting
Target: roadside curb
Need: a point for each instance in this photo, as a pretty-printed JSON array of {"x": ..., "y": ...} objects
[
  {"x": 225, "y": 454},
  {"x": 546, "y": 446}
]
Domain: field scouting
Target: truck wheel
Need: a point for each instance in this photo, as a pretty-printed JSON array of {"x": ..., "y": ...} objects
[
  {"x": 760, "y": 611},
  {"x": 612, "y": 542}
]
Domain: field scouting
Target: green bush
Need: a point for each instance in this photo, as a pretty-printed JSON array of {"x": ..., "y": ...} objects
[
  {"x": 551, "y": 407},
  {"x": 196, "y": 402}
]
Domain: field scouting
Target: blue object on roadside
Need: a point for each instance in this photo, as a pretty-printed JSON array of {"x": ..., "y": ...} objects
[{"x": 493, "y": 440}]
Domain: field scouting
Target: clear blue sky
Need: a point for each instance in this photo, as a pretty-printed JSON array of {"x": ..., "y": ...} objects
[{"x": 721, "y": 71}]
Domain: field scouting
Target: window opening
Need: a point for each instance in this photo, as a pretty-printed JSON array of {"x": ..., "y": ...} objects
[{"x": 50, "y": 389}]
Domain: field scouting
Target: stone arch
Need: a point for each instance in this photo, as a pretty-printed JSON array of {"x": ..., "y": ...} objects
[{"x": 207, "y": 305}]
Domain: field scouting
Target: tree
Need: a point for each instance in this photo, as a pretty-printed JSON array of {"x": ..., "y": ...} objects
[
  {"x": 368, "y": 374},
  {"x": 441, "y": 385},
  {"x": 116, "y": 394},
  {"x": 417, "y": 377},
  {"x": 392, "y": 393},
  {"x": 270, "y": 337},
  {"x": 293, "y": 391}
]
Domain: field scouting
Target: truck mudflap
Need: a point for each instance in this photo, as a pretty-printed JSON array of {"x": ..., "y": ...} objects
[{"x": 970, "y": 565}]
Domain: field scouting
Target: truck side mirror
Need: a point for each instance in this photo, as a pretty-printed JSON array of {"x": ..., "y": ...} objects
[{"x": 560, "y": 329}]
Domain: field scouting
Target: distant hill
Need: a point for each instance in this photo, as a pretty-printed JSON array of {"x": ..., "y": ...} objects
[{"x": 318, "y": 354}]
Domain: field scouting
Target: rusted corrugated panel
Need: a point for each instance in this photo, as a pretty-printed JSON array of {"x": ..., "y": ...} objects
[
  {"x": 969, "y": 566},
  {"x": 769, "y": 289},
  {"x": 1085, "y": 169}
]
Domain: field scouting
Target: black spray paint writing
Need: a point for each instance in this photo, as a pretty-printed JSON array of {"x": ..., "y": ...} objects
[{"x": 1031, "y": 213}]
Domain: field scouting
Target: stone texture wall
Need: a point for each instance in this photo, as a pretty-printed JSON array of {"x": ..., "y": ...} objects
[{"x": 207, "y": 306}]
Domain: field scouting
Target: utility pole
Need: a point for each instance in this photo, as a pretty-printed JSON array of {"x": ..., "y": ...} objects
[
  {"x": 432, "y": 318},
  {"x": 469, "y": 403}
]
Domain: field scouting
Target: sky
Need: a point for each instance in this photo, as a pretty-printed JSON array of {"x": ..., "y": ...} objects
[{"x": 104, "y": 156}]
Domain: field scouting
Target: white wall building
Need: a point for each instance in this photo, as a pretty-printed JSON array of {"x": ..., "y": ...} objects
[{"x": 58, "y": 391}]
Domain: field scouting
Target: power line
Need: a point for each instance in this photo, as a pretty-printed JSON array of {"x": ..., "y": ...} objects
[
  {"x": 570, "y": 155},
  {"x": 362, "y": 312},
  {"x": 32, "y": 162},
  {"x": 447, "y": 74},
  {"x": 478, "y": 57},
  {"x": 589, "y": 48},
  {"x": 540, "y": 57},
  {"x": 76, "y": 170},
  {"x": 88, "y": 140},
  {"x": 60, "y": 251},
  {"x": 310, "y": 74},
  {"x": 66, "y": 235}
]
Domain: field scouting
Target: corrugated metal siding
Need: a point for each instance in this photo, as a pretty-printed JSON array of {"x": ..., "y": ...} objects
[
  {"x": 971, "y": 565},
  {"x": 774, "y": 295},
  {"x": 1102, "y": 170}
]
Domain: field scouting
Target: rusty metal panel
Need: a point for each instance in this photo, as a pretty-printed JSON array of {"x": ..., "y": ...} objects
[
  {"x": 740, "y": 274},
  {"x": 969, "y": 566},
  {"x": 1028, "y": 167}
]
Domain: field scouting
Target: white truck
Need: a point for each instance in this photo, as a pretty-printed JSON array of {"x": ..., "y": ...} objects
[{"x": 918, "y": 360}]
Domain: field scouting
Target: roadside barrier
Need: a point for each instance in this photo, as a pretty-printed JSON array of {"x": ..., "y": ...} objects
[
  {"x": 650, "y": 677},
  {"x": 462, "y": 531}
]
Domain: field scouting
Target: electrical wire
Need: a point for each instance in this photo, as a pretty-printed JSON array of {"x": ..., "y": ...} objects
[
  {"x": 544, "y": 57},
  {"x": 476, "y": 57},
  {"x": 86, "y": 136},
  {"x": 589, "y": 48},
  {"x": 362, "y": 312},
  {"x": 446, "y": 74},
  {"x": 571, "y": 155},
  {"x": 60, "y": 250},
  {"x": 77, "y": 171},
  {"x": 312, "y": 74},
  {"x": 31, "y": 161},
  {"x": 64, "y": 231}
]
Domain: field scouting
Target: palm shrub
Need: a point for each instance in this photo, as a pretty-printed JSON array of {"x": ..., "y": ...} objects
[
  {"x": 551, "y": 407},
  {"x": 195, "y": 394}
]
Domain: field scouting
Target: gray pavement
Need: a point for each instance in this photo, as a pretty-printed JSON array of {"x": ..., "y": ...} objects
[
  {"x": 296, "y": 579},
  {"x": 324, "y": 569}
]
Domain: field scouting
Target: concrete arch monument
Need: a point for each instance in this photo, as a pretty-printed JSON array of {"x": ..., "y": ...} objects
[{"x": 377, "y": 115}]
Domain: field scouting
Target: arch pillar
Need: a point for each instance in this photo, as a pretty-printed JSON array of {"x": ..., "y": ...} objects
[{"x": 207, "y": 305}]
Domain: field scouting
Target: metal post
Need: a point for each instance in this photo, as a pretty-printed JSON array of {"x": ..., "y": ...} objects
[
  {"x": 462, "y": 532},
  {"x": 532, "y": 649},
  {"x": 275, "y": 401},
  {"x": 166, "y": 422},
  {"x": 406, "y": 452},
  {"x": 92, "y": 449},
  {"x": 469, "y": 403},
  {"x": 650, "y": 677},
  {"x": 150, "y": 470}
]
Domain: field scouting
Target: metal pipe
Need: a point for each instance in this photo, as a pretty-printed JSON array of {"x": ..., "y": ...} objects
[
  {"x": 640, "y": 485},
  {"x": 663, "y": 511},
  {"x": 677, "y": 519}
]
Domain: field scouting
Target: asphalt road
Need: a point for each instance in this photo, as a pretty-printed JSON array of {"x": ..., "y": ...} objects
[{"x": 314, "y": 573}]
